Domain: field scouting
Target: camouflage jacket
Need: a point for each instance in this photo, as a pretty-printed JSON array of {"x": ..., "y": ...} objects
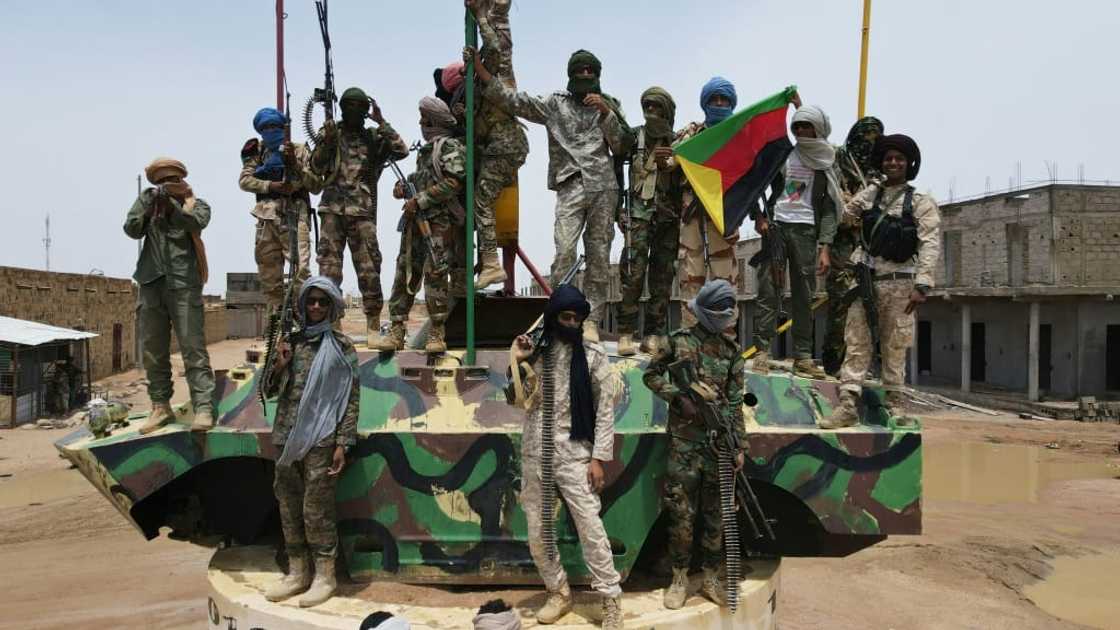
[
  {"x": 853, "y": 178},
  {"x": 580, "y": 139},
  {"x": 928, "y": 219},
  {"x": 289, "y": 383},
  {"x": 437, "y": 190},
  {"x": 654, "y": 193},
  {"x": 606, "y": 387},
  {"x": 351, "y": 166},
  {"x": 495, "y": 129},
  {"x": 718, "y": 363},
  {"x": 268, "y": 204},
  {"x": 168, "y": 250}
]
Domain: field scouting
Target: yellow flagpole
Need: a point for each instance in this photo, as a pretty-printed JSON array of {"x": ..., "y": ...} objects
[{"x": 863, "y": 56}]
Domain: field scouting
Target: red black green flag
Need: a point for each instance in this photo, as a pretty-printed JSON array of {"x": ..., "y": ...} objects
[{"x": 730, "y": 164}]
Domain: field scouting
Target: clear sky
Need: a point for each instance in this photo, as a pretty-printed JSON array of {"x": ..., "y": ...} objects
[{"x": 93, "y": 90}]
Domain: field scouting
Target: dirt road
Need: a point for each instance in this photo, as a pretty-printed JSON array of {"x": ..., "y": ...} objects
[{"x": 70, "y": 560}]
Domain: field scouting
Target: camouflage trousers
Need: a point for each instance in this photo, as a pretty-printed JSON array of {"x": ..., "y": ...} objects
[
  {"x": 415, "y": 265},
  {"x": 651, "y": 254},
  {"x": 161, "y": 310},
  {"x": 495, "y": 173},
  {"x": 693, "y": 272},
  {"x": 839, "y": 279},
  {"x": 800, "y": 241},
  {"x": 335, "y": 231},
  {"x": 305, "y": 493},
  {"x": 583, "y": 505},
  {"x": 271, "y": 253},
  {"x": 590, "y": 214},
  {"x": 691, "y": 489},
  {"x": 896, "y": 333}
]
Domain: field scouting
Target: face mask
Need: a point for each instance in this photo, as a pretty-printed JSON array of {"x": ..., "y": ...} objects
[
  {"x": 714, "y": 115},
  {"x": 658, "y": 127},
  {"x": 582, "y": 86},
  {"x": 273, "y": 137},
  {"x": 354, "y": 113},
  {"x": 567, "y": 334}
]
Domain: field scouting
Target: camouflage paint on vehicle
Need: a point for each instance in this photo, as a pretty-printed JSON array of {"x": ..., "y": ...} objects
[{"x": 430, "y": 493}]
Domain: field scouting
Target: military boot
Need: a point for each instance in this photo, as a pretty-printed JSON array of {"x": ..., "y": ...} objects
[
  {"x": 373, "y": 332},
  {"x": 805, "y": 368},
  {"x": 491, "y": 272},
  {"x": 322, "y": 587},
  {"x": 295, "y": 582},
  {"x": 612, "y": 613},
  {"x": 161, "y": 414},
  {"x": 436, "y": 342},
  {"x": 591, "y": 330},
  {"x": 626, "y": 346},
  {"x": 395, "y": 340},
  {"x": 761, "y": 364},
  {"x": 650, "y": 344},
  {"x": 712, "y": 587},
  {"x": 844, "y": 415},
  {"x": 896, "y": 407},
  {"x": 677, "y": 592},
  {"x": 558, "y": 604},
  {"x": 203, "y": 419}
]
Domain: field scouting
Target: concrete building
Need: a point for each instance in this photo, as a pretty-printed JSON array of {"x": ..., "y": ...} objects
[{"x": 83, "y": 302}]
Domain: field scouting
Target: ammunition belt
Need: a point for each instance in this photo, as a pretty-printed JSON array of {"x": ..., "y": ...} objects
[
  {"x": 548, "y": 453},
  {"x": 733, "y": 559}
]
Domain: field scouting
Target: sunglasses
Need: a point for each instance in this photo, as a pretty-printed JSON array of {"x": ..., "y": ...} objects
[{"x": 321, "y": 302}]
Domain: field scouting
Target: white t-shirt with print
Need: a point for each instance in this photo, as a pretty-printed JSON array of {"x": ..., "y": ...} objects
[{"x": 795, "y": 205}]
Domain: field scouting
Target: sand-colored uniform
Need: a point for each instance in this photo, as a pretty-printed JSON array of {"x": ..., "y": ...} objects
[
  {"x": 271, "y": 244},
  {"x": 893, "y": 284},
  {"x": 570, "y": 463},
  {"x": 721, "y": 251}
]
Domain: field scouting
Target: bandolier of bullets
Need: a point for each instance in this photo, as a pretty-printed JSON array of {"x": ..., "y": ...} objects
[
  {"x": 548, "y": 453},
  {"x": 732, "y": 551}
]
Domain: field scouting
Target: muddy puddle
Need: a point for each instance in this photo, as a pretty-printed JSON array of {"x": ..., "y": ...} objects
[
  {"x": 1081, "y": 589},
  {"x": 23, "y": 489},
  {"x": 978, "y": 472}
]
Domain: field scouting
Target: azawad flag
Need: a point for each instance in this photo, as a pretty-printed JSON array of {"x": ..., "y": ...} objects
[{"x": 731, "y": 164}]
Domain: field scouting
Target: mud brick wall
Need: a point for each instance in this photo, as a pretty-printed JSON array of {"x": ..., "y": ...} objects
[{"x": 82, "y": 302}]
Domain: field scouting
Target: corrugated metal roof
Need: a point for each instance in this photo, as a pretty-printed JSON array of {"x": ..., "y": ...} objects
[{"x": 28, "y": 333}]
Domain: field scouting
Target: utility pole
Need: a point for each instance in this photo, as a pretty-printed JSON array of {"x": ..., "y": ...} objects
[
  {"x": 865, "y": 37},
  {"x": 47, "y": 241}
]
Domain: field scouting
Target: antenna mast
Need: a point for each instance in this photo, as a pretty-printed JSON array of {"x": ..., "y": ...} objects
[{"x": 47, "y": 241}]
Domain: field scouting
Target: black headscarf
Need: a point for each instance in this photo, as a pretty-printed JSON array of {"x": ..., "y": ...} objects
[
  {"x": 904, "y": 145},
  {"x": 859, "y": 147},
  {"x": 568, "y": 298}
]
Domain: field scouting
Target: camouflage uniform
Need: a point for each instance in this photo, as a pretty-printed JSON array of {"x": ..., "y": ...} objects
[
  {"x": 692, "y": 482},
  {"x": 304, "y": 490},
  {"x": 581, "y": 171},
  {"x": 852, "y": 180},
  {"x": 501, "y": 140},
  {"x": 271, "y": 245},
  {"x": 437, "y": 196},
  {"x": 721, "y": 250},
  {"x": 170, "y": 280},
  {"x": 896, "y": 327},
  {"x": 570, "y": 465},
  {"x": 653, "y": 222},
  {"x": 351, "y": 166}
]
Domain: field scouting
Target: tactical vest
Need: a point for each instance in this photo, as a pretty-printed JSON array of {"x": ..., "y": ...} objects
[{"x": 890, "y": 237}]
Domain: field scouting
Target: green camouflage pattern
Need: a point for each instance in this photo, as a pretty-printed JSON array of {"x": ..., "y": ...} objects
[{"x": 430, "y": 493}]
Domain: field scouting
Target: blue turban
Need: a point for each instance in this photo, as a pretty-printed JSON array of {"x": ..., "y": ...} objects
[
  {"x": 723, "y": 87},
  {"x": 272, "y": 168}
]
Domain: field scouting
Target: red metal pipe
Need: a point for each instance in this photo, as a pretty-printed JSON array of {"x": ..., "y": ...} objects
[
  {"x": 533, "y": 271},
  {"x": 280, "y": 57}
]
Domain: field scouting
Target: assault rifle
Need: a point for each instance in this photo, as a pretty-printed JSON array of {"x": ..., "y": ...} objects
[
  {"x": 420, "y": 214},
  {"x": 722, "y": 437}
]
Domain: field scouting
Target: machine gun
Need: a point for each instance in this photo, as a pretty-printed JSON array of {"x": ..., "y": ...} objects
[
  {"x": 280, "y": 324},
  {"x": 734, "y": 486},
  {"x": 325, "y": 95}
]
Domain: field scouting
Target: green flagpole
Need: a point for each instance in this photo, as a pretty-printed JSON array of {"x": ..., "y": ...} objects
[{"x": 472, "y": 41}]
